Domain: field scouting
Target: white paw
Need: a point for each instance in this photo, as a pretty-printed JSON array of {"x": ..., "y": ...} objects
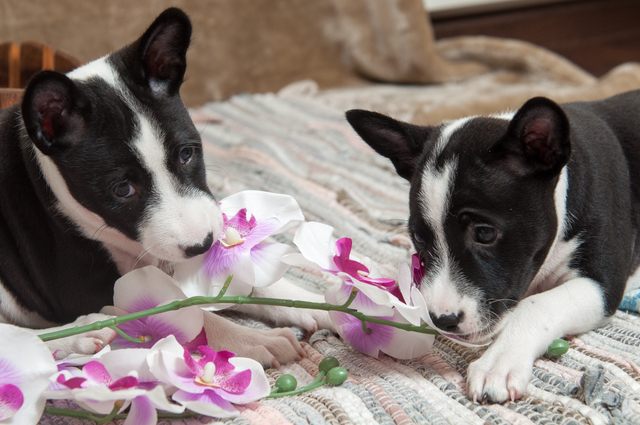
[
  {"x": 86, "y": 343},
  {"x": 499, "y": 376},
  {"x": 309, "y": 320},
  {"x": 271, "y": 347}
]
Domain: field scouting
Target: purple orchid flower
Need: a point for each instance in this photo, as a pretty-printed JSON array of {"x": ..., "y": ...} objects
[
  {"x": 211, "y": 383},
  {"x": 318, "y": 251},
  {"x": 25, "y": 367},
  {"x": 250, "y": 217},
  {"x": 118, "y": 375}
]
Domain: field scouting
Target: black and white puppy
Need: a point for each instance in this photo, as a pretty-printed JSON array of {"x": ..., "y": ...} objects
[
  {"x": 101, "y": 172},
  {"x": 527, "y": 224}
]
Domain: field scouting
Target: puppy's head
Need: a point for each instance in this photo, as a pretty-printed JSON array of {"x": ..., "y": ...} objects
[
  {"x": 119, "y": 150},
  {"x": 482, "y": 205}
]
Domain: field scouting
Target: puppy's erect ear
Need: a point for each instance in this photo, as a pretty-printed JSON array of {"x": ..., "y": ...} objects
[
  {"x": 53, "y": 111},
  {"x": 537, "y": 141},
  {"x": 401, "y": 142},
  {"x": 162, "y": 51}
]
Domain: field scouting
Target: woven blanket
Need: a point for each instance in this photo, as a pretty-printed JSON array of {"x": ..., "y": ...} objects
[{"x": 304, "y": 147}]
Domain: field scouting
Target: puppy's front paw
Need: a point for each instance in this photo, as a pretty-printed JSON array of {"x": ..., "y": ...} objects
[
  {"x": 271, "y": 347},
  {"x": 309, "y": 320},
  {"x": 86, "y": 343},
  {"x": 498, "y": 376}
]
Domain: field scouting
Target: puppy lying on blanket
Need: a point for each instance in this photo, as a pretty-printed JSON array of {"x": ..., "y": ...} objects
[
  {"x": 527, "y": 224},
  {"x": 102, "y": 171}
]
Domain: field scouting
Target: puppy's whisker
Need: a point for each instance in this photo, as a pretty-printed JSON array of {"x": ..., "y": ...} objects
[{"x": 141, "y": 256}]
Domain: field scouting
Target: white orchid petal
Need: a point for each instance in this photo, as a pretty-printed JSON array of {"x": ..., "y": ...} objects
[
  {"x": 166, "y": 362},
  {"x": 145, "y": 288},
  {"x": 265, "y": 205},
  {"x": 95, "y": 396},
  {"x": 266, "y": 262},
  {"x": 338, "y": 294},
  {"x": 298, "y": 260},
  {"x": 205, "y": 408},
  {"x": 243, "y": 271},
  {"x": 159, "y": 399},
  {"x": 405, "y": 281},
  {"x": 192, "y": 280},
  {"x": 259, "y": 386},
  {"x": 121, "y": 363},
  {"x": 315, "y": 242},
  {"x": 406, "y": 344},
  {"x": 411, "y": 313},
  {"x": 142, "y": 412}
]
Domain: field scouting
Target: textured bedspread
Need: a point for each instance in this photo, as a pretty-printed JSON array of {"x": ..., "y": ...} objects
[{"x": 304, "y": 148}]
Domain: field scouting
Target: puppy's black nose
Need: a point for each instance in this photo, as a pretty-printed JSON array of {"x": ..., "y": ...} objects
[
  {"x": 447, "y": 322},
  {"x": 192, "y": 251}
]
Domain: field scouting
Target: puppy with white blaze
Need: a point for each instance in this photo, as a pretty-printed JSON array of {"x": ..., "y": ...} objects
[
  {"x": 101, "y": 172},
  {"x": 526, "y": 223}
]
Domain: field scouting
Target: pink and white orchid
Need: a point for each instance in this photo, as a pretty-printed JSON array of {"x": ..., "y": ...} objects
[
  {"x": 25, "y": 367},
  {"x": 250, "y": 217},
  {"x": 146, "y": 288},
  {"x": 121, "y": 376},
  {"x": 319, "y": 251},
  {"x": 378, "y": 338},
  {"x": 209, "y": 383}
]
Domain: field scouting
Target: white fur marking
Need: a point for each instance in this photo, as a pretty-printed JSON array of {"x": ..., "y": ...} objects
[
  {"x": 447, "y": 132},
  {"x": 179, "y": 220},
  {"x": 99, "y": 68},
  {"x": 441, "y": 288}
]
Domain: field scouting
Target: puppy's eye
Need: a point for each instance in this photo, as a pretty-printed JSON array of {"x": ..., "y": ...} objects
[
  {"x": 485, "y": 234},
  {"x": 186, "y": 154},
  {"x": 124, "y": 190},
  {"x": 419, "y": 240}
]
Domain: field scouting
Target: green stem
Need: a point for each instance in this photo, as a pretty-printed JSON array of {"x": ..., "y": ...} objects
[
  {"x": 318, "y": 382},
  {"x": 83, "y": 414},
  {"x": 140, "y": 340},
  {"x": 220, "y": 298}
]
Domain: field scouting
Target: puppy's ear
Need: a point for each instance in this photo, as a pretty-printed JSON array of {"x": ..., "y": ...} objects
[
  {"x": 53, "y": 111},
  {"x": 401, "y": 142},
  {"x": 537, "y": 141},
  {"x": 162, "y": 51}
]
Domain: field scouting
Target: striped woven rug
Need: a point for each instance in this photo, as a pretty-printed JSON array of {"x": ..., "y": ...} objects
[{"x": 305, "y": 148}]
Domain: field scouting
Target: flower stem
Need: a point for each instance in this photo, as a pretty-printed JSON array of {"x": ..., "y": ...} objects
[
  {"x": 318, "y": 382},
  {"x": 83, "y": 414},
  {"x": 139, "y": 340},
  {"x": 220, "y": 298}
]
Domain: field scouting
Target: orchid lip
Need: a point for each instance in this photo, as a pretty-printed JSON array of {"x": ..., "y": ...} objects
[
  {"x": 232, "y": 238},
  {"x": 229, "y": 245}
]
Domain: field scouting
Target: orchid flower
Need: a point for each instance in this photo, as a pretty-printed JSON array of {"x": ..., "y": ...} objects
[
  {"x": 249, "y": 218},
  {"x": 25, "y": 367},
  {"x": 378, "y": 338},
  {"x": 208, "y": 384},
  {"x": 318, "y": 251},
  {"x": 146, "y": 288},
  {"x": 121, "y": 375}
]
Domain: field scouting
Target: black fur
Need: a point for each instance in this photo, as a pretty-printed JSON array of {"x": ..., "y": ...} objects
[
  {"x": 506, "y": 176},
  {"x": 86, "y": 128}
]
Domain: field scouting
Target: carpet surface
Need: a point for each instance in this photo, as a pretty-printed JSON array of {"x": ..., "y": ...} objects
[{"x": 305, "y": 148}]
